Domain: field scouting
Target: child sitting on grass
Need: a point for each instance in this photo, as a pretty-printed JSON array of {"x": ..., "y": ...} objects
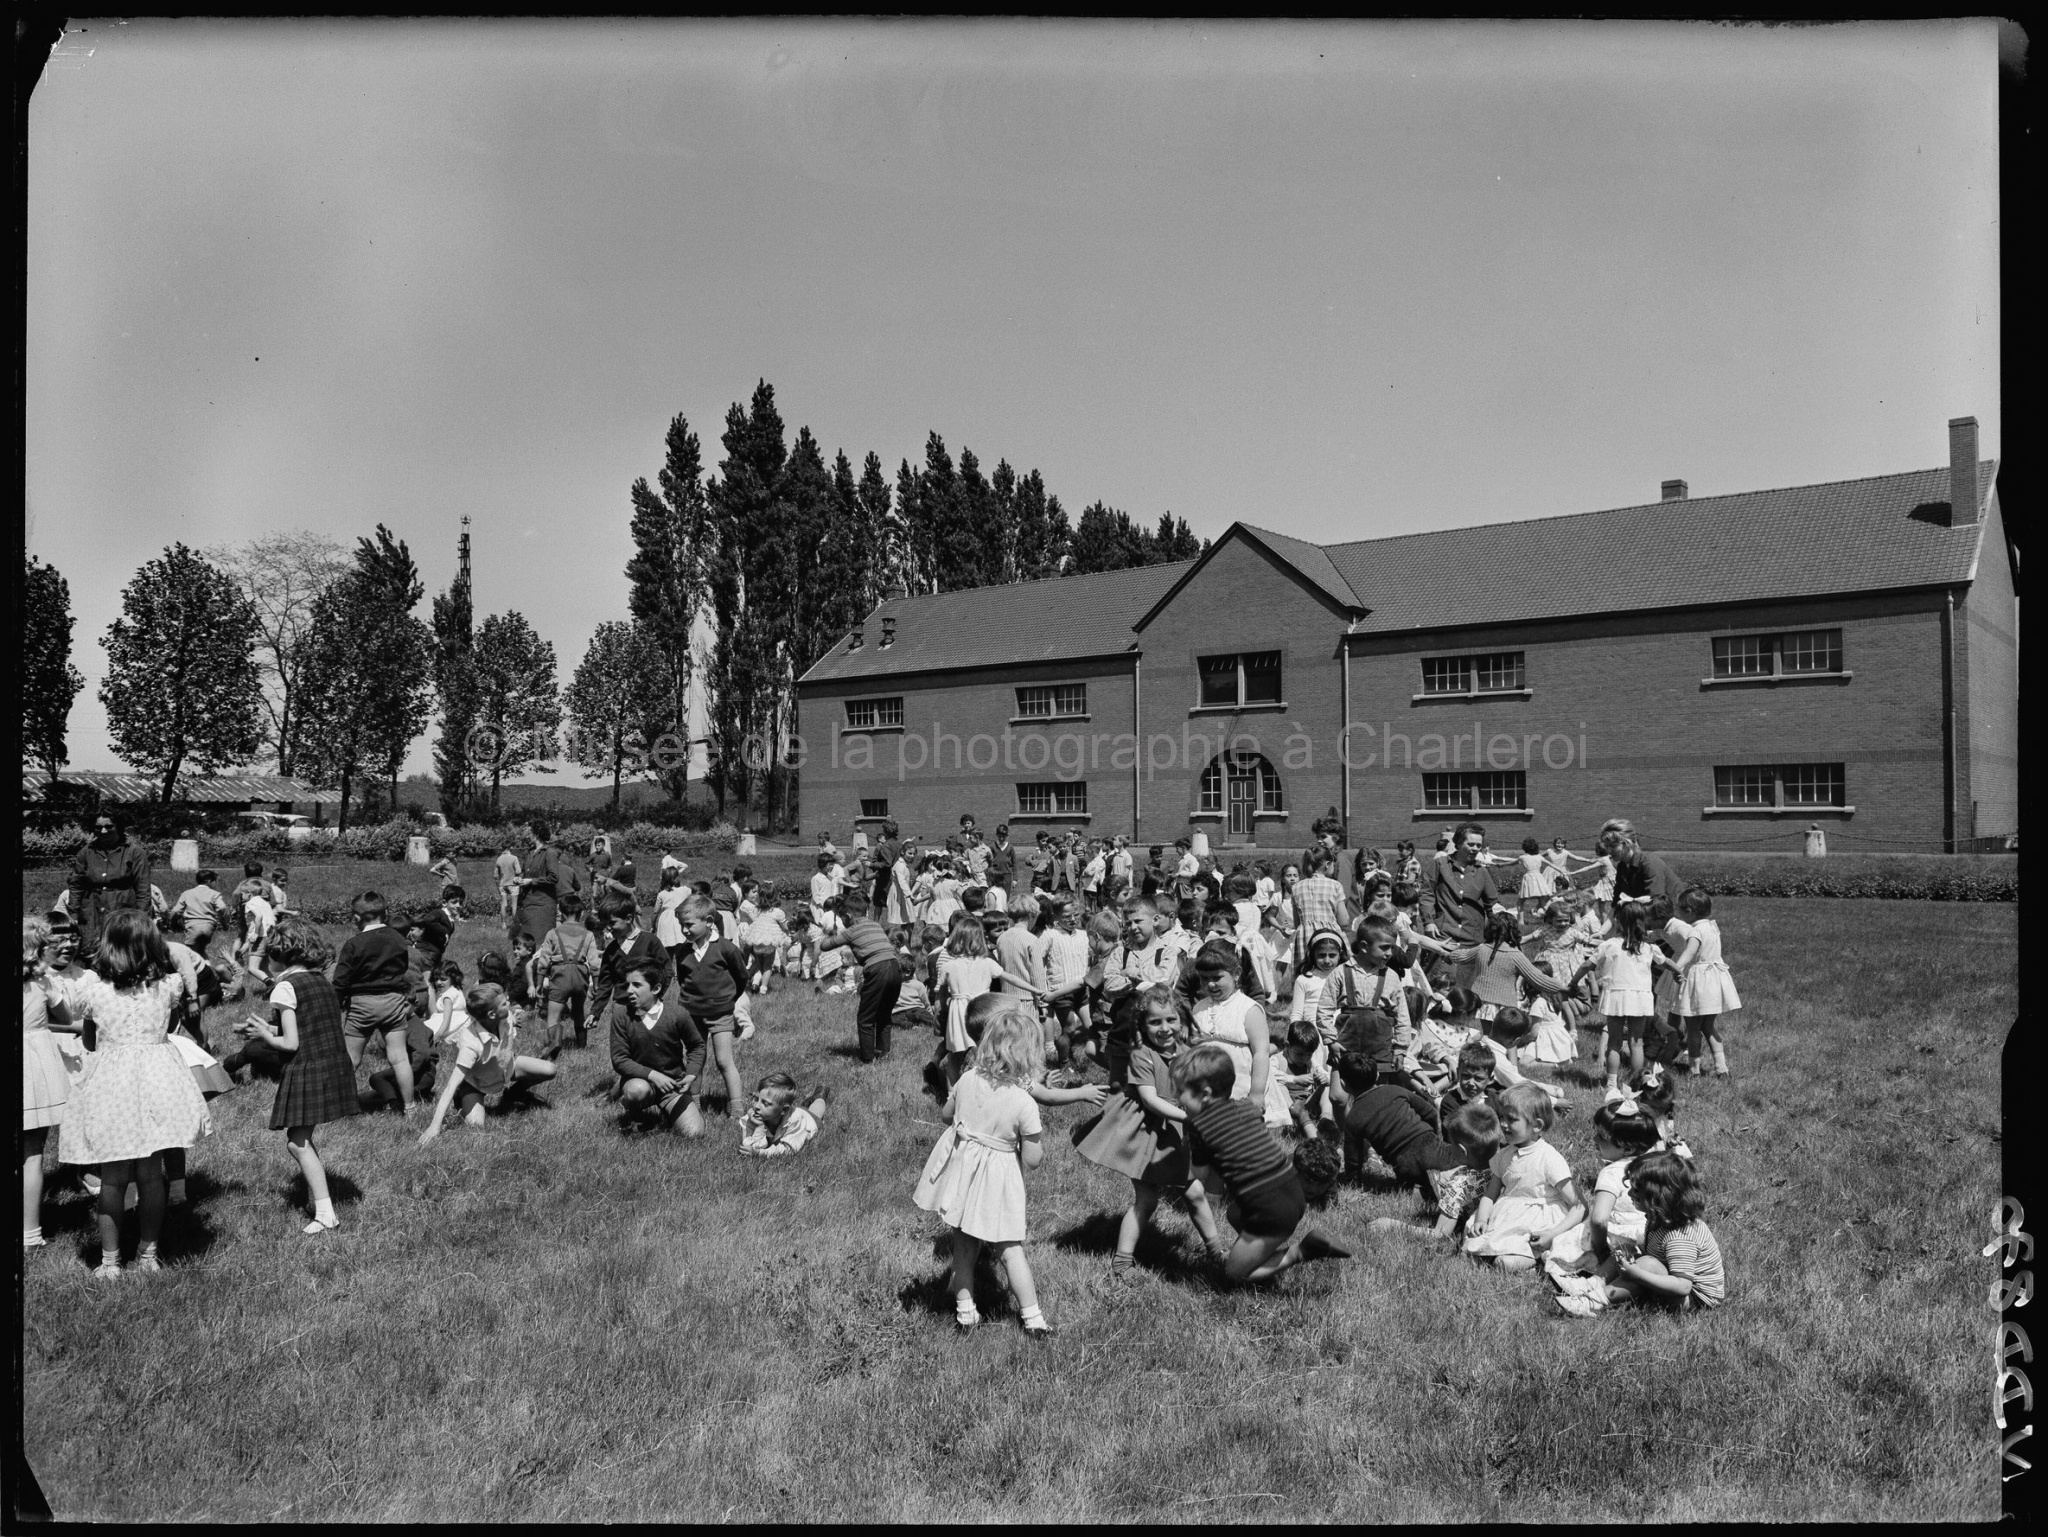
[
  {"x": 974, "y": 1179},
  {"x": 1474, "y": 1130},
  {"x": 657, "y": 1055},
  {"x": 1584, "y": 1260},
  {"x": 1303, "y": 1068},
  {"x": 779, "y": 1122},
  {"x": 1531, "y": 1194},
  {"x": 1230, "y": 1150},
  {"x": 1680, "y": 1264},
  {"x": 1141, "y": 1133}
]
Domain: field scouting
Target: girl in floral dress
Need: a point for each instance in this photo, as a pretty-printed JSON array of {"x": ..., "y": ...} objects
[{"x": 136, "y": 1096}]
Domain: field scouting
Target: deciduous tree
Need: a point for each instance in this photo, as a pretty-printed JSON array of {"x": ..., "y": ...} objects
[
  {"x": 619, "y": 702},
  {"x": 516, "y": 702},
  {"x": 44, "y": 674},
  {"x": 182, "y": 687},
  {"x": 282, "y": 575}
]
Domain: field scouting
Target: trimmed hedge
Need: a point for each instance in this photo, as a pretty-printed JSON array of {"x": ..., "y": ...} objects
[
  {"x": 387, "y": 841},
  {"x": 1899, "y": 877}
]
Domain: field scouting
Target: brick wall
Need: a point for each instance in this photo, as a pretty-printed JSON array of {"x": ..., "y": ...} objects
[
  {"x": 1242, "y": 601},
  {"x": 962, "y": 749},
  {"x": 1618, "y": 723}
]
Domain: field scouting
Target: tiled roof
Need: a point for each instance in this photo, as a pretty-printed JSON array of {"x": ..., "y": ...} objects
[
  {"x": 1312, "y": 561},
  {"x": 1872, "y": 535},
  {"x": 1798, "y": 542},
  {"x": 134, "y": 789},
  {"x": 1058, "y": 619}
]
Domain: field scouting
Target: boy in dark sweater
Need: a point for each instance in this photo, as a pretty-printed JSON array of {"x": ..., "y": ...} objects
[
  {"x": 1229, "y": 1149},
  {"x": 1393, "y": 1120},
  {"x": 711, "y": 987},
  {"x": 371, "y": 984},
  {"x": 657, "y": 1053}
]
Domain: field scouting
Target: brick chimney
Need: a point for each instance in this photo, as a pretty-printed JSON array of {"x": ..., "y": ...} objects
[
  {"x": 1674, "y": 490},
  {"x": 1962, "y": 471},
  {"x": 860, "y": 636},
  {"x": 888, "y": 633}
]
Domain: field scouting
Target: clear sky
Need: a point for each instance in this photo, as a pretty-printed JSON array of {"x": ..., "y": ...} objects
[{"x": 1340, "y": 280}]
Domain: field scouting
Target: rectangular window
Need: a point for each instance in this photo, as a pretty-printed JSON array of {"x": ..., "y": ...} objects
[
  {"x": 1446, "y": 675},
  {"x": 1047, "y": 800},
  {"x": 1219, "y": 680},
  {"x": 874, "y": 810},
  {"x": 1798, "y": 652},
  {"x": 1745, "y": 787},
  {"x": 1814, "y": 784},
  {"x": 1742, "y": 656},
  {"x": 1250, "y": 677},
  {"x": 868, "y": 714},
  {"x": 1502, "y": 669},
  {"x": 1475, "y": 791},
  {"x": 1047, "y": 700},
  {"x": 1811, "y": 651},
  {"x": 1490, "y": 672}
]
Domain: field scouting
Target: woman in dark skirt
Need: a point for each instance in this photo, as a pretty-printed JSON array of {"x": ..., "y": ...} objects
[{"x": 319, "y": 1084}]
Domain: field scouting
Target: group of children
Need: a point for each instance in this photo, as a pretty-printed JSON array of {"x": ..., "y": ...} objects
[
  {"x": 1382, "y": 1049},
  {"x": 1250, "y": 1054},
  {"x": 100, "y": 1042}
]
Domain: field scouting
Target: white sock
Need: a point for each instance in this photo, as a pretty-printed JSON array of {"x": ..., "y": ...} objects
[
  {"x": 31, "y": 1234},
  {"x": 963, "y": 1306},
  {"x": 323, "y": 1211},
  {"x": 1033, "y": 1319}
]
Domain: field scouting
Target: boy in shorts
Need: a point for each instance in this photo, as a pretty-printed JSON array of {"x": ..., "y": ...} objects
[
  {"x": 1230, "y": 1150},
  {"x": 711, "y": 987}
]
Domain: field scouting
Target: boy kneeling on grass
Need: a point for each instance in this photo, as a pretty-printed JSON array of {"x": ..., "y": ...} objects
[
  {"x": 1231, "y": 1150},
  {"x": 657, "y": 1053}
]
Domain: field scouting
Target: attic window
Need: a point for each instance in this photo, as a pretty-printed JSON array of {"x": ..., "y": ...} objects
[{"x": 1241, "y": 678}]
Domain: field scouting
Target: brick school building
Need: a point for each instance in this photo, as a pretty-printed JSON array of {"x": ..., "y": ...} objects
[{"x": 1724, "y": 670}]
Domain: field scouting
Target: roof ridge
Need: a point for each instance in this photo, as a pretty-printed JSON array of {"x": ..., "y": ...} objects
[{"x": 1598, "y": 512}]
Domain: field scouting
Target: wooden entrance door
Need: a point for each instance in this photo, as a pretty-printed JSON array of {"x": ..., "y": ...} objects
[{"x": 1244, "y": 800}]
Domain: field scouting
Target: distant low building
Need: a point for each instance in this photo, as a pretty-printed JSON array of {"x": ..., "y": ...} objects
[
  {"x": 90, "y": 790},
  {"x": 1724, "y": 670}
]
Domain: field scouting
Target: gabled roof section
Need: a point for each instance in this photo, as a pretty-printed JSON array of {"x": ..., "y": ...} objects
[
  {"x": 1875, "y": 535},
  {"x": 1310, "y": 562},
  {"x": 1061, "y": 618}
]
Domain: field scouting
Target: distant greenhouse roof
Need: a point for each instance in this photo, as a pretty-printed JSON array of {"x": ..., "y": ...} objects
[{"x": 202, "y": 790}]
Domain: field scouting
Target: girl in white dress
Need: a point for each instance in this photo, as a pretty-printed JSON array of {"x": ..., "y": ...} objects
[
  {"x": 136, "y": 1096},
  {"x": 974, "y": 1179},
  {"x": 1531, "y": 1196},
  {"x": 966, "y": 971},
  {"x": 1227, "y": 1018},
  {"x": 1705, "y": 988},
  {"x": 1628, "y": 996}
]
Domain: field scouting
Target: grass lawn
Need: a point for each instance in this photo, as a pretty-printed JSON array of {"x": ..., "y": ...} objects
[{"x": 547, "y": 1320}]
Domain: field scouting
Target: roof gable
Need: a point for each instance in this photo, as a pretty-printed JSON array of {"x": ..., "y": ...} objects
[{"x": 1309, "y": 564}]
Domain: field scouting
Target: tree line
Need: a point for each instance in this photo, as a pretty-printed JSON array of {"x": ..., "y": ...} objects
[{"x": 295, "y": 649}]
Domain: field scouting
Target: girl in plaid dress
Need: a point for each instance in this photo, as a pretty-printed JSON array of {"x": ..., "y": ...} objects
[{"x": 319, "y": 1085}]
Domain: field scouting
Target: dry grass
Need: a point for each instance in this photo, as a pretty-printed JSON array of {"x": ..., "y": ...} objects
[{"x": 549, "y": 1320}]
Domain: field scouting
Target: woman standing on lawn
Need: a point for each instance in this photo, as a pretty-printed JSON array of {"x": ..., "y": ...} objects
[
  {"x": 319, "y": 1084},
  {"x": 545, "y": 874},
  {"x": 136, "y": 1096}
]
